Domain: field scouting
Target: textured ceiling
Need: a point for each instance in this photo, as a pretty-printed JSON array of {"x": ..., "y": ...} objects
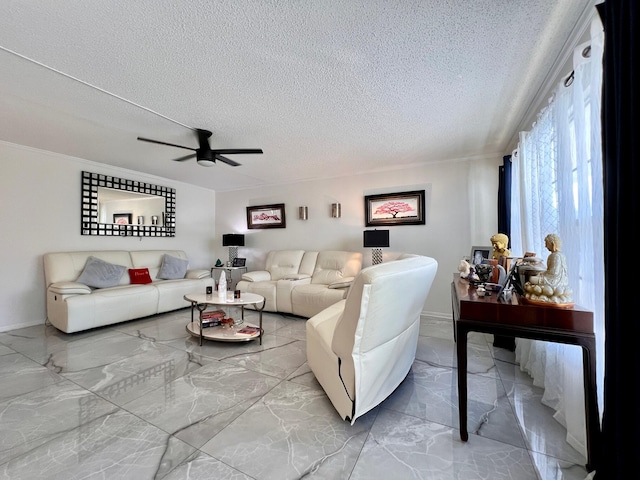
[{"x": 325, "y": 88}]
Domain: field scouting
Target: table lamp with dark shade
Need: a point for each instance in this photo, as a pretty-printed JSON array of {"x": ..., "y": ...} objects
[
  {"x": 376, "y": 239},
  {"x": 233, "y": 241}
]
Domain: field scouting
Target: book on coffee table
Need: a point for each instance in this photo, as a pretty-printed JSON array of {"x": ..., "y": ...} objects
[
  {"x": 212, "y": 318},
  {"x": 248, "y": 330}
]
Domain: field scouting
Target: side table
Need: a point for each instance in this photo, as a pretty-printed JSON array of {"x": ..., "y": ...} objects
[
  {"x": 230, "y": 270},
  {"x": 573, "y": 326}
]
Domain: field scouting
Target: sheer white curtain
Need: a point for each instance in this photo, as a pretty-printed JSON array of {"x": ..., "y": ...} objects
[{"x": 557, "y": 188}]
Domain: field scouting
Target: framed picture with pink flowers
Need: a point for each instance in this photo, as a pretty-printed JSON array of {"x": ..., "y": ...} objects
[{"x": 402, "y": 208}]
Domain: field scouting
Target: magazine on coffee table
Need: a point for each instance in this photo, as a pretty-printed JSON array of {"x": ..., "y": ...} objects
[{"x": 248, "y": 330}]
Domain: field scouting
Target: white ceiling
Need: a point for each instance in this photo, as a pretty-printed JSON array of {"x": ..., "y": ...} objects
[{"x": 326, "y": 88}]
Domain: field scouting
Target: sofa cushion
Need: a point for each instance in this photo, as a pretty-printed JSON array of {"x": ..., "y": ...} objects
[
  {"x": 283, "y": 262},
  {"x": 307, "y": 300},
  {"x": 139, "y": 275},
  {"x": 100, "y": 274},
  {"x": 172, "y": 268},
  {"x": 334, "y": 266}
]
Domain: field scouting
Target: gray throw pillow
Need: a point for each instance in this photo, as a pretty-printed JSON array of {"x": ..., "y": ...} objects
[
  {"x": 100, "y": 274},
  {"x": 172, "y": 267}
]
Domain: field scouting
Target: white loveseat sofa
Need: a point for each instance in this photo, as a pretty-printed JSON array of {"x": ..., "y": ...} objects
[
  {"x": 74, "y": 306},
  {"x": 361, "y": 348},
  {"x": 303, "y": 282}
]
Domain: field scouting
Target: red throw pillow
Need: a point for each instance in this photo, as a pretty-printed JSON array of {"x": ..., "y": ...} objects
[{"x": 139, "y": 275}]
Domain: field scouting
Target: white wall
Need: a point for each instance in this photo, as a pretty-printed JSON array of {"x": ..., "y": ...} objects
[
  {"x": 40, "y": 212},
  {"x": 461, "y": 211}
]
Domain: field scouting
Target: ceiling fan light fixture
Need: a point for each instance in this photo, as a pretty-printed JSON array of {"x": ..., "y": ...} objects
[{"x": 204, "y": 157}]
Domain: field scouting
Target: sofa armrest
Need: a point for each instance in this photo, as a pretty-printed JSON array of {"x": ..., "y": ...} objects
[
  {"x": 69, "y": 288},
  {"x": 296, "y": 276},
  {"x": 198, "y": 274},
  {"x": 342, "y": 283},
  {"x": 256, "y": 276}
]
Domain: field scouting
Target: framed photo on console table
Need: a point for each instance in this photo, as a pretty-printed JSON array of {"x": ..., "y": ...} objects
[
  {"x": 266, "y": 216},
  {"x": 239, "y": 262},
  {"x": 479, "y": 254},
  {"x": 403, "y": 208}
]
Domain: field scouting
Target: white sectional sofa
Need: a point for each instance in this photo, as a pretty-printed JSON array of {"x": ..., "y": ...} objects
[
  {"x": 73, "y": 306},
  {"x": 303, "y": 282},
  {"x": 361, "y": 348}
]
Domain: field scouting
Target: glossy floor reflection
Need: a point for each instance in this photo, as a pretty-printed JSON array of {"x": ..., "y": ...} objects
[{"x": 142, "y": 400}]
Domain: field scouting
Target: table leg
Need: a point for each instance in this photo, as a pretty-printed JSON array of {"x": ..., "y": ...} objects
[
  {"x": 201, "y": 308},
  {"x": 461, "y": 355},
  {"x": 260, "y": 309},
  {"x": 591, "y": 403}
]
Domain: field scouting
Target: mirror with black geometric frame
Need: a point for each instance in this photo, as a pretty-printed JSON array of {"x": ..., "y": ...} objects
[{"x": 113, "y": 206}]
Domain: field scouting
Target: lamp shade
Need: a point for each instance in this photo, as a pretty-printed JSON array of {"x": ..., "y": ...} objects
[
  {"x": 376, "y": 238},
  {"x": 233, "y": 240}
]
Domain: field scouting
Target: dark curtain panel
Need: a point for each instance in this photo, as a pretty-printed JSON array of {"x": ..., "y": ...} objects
[
  {"x": 620, "y": 106},
  {"x": 504, "y": 196},
  {"x": 504, "y": 226}
]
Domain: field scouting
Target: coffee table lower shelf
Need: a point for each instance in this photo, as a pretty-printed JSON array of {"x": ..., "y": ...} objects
[{"x": 222, "y": 334}]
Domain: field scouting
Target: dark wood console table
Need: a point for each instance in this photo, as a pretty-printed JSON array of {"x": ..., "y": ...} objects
[{"x": 514, "y": 317}]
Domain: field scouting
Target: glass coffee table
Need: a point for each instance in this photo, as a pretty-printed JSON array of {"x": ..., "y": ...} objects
[{"x": 224, "y": 333}]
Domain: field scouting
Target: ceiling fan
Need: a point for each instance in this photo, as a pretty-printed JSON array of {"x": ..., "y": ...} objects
[{"x": 204, "y": 155}]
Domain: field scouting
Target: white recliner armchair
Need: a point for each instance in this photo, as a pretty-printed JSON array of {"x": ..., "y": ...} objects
[{"x": 361, "y": 348}]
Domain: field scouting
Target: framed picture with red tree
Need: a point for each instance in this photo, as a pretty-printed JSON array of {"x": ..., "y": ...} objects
[{"x": 402, "y": 208}]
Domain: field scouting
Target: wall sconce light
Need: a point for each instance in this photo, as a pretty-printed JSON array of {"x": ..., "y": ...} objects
[
  {"x": 303, "y": 213},
  {"x": 233, "y": 241},
  {"x": 376, "y": 239},
  {"x": 336, "y": 210}
]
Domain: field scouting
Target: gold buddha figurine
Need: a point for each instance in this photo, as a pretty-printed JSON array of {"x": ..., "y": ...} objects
[{"x": 500, "y": 242}]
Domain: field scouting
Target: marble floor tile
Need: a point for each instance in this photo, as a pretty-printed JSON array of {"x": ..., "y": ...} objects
[
  {"x": 20, "y": 375},
  {"x": 41, "y": 416},
  {"x": 296, "y": 329},
  {"x": 401, "y": 446},
  {"x": 40, "y": 342},
  {"x": 204, "y": 467},
  {"x": 542, "y": 432},
  {"x": 152, "y": 366},
  {"x": 292, "y": 432},
  {"x": 279, "y": 362},
  {"x": 198, "y": 405},
  {"x": 509, "y": 371},
  {"x": 115, "y": 445},
  {"x": 144, "y": 400},
  {"x": 431, "y": 393}
]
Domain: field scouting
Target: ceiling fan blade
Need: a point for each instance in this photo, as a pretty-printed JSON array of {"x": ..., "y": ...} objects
[
  {"x": 226, "y": 160},
  {"x": 229, "y": 151},
  {"x": 186, "y": 157},
  {"x": 164, "y": 143}
]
